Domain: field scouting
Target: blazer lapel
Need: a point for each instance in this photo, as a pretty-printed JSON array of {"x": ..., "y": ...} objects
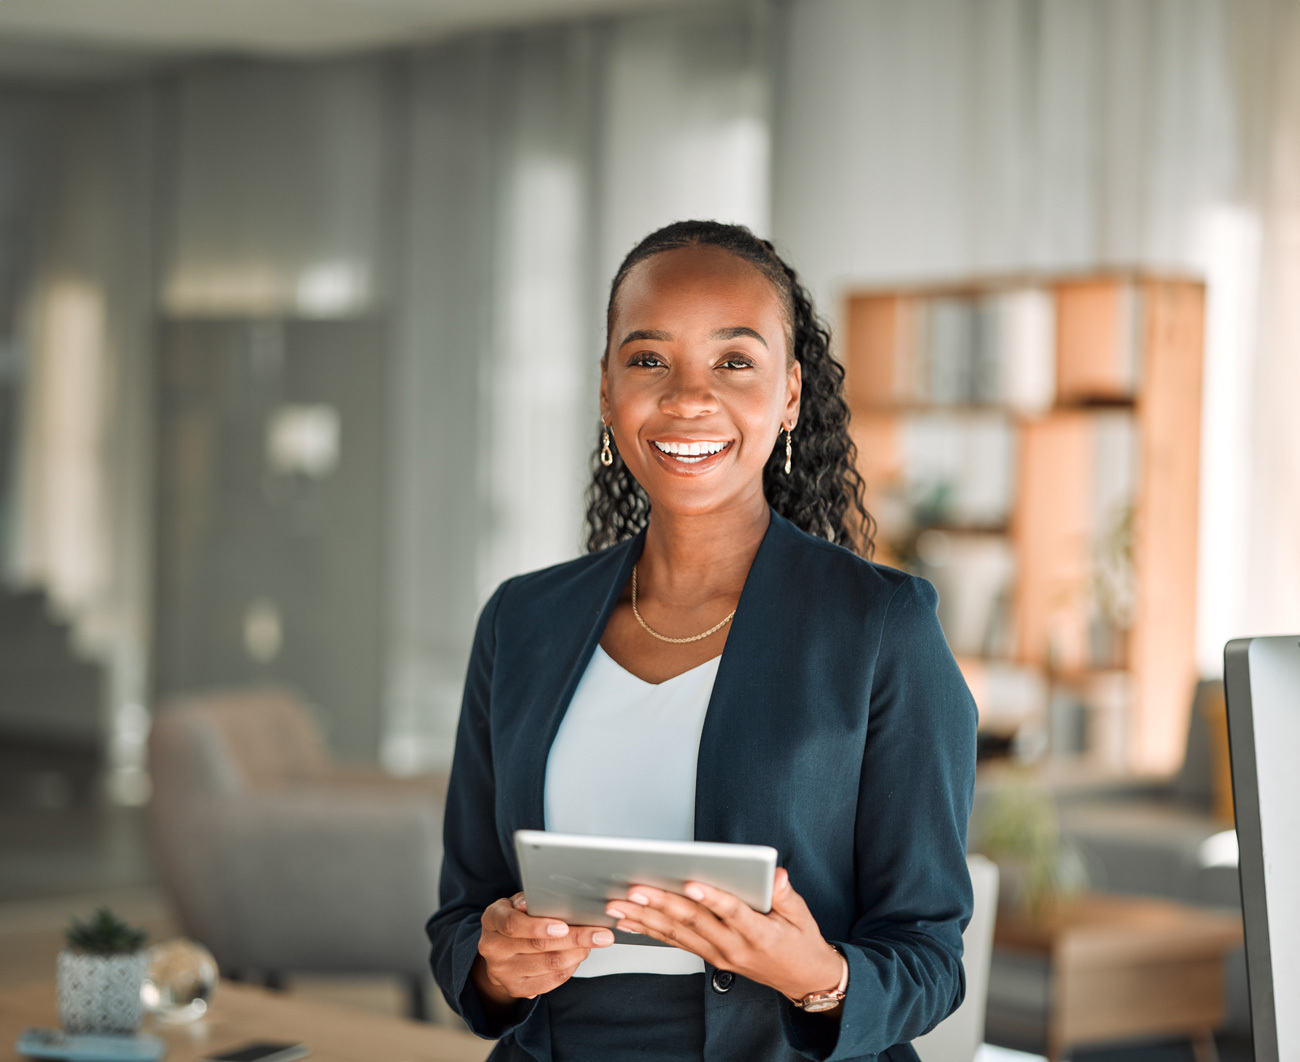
[
  {"x": 565, "y": 645},
  {"x": 745, "y": 728}
]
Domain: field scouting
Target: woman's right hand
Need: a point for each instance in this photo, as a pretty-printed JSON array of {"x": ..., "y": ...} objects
[{"x": 521, "y": 957}]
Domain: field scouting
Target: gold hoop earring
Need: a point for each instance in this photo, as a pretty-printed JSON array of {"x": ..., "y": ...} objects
[
  {"x": 606, "y": 455},
  {"x": 789, "y": 451}
]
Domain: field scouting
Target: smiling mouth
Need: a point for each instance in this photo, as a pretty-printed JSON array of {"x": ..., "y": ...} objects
[{"x": 690, "y": 453}]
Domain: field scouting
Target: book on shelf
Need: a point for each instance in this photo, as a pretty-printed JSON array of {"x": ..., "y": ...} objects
[
  {"x": 973, "y": 574},
  {"x": 990, "y": 349}
]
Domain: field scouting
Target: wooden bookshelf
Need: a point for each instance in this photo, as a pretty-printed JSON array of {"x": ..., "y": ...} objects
[{"x": 1062, "y": 414}]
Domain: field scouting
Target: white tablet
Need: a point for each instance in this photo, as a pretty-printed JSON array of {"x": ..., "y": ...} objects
[{"x": 573, "y": 876}]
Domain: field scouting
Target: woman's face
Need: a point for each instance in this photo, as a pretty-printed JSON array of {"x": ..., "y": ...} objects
[{"x": 698, "y": 381}]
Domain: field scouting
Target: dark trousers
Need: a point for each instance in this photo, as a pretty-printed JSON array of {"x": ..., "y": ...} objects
[{"x": 617, "y": 1018}]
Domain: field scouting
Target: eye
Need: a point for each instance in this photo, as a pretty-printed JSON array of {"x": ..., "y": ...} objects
[
  {"x": 646, "y": 359},
  {"x": 738, "y": 361}
]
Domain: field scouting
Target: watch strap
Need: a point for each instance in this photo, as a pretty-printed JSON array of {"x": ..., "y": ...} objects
[{"x": 826, "y": 1000}]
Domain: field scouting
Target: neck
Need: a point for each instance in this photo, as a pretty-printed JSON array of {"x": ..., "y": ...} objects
[{"x": 691, "y": 558}]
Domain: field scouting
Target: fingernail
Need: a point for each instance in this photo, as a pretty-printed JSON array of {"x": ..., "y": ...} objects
[
  {"x": 639, "y": 897},
  {"x": 603, "y": 938},
  {"x": 694, "y": 892},
  {"x": 614, "y": 912},
  {"x": 518, "y": 901},
  {"x": 628, "y": 929},
  {"x": 557, "y": 929}
]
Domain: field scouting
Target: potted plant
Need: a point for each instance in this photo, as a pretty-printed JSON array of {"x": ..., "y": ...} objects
[
  {"x": 1018, "y": 829},
  {"x": 99, "y": 976}
]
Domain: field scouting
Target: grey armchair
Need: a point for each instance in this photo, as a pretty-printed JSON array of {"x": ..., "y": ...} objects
[{"x": 280, "y": 861}]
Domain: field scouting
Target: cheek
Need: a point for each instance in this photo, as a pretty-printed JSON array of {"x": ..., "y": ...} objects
[
  {"x": 761, "y": 411},
  {"x": 628, "y": 403}
]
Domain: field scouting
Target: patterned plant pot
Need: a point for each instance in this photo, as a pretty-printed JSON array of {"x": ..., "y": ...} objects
[{"x": 101, "y": 993}]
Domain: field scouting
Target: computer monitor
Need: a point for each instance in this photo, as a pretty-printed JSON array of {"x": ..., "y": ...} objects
[{"x": 1262, "y": 680}]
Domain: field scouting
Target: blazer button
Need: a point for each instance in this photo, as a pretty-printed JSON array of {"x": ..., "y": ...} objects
[{"x": 722, "y": 980}]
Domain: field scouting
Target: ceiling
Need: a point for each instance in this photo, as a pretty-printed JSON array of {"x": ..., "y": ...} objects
[{"x": 66, "y": 37}]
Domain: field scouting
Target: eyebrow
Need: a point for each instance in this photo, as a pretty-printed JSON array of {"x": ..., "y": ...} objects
[
  {"x": 652, "y": 335},
  {"x": 642, "y": 334},
  {"x": 736, "y": 333}
]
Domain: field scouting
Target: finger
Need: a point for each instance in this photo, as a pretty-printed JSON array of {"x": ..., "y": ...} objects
[
  {"x": 785, "y": 901},
  {"x": 592, "y": 937},
  {"x": 687, "y": 926},
  {"x": 513, "y": 922},
  {"x": 540, "y": 984},
  {"x": 678, "y": 908},
  {"x": 518, "y": 902},
  {"x": 550, "y": 963},
  {"x": 519, "y": 933},
  {"x": 679, "y": 937},
  {"x": 512, "y": 971},
  {"x": 728, "y": 908}
]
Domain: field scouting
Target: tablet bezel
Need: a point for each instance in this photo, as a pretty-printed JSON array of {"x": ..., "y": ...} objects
[{"x": 601, "y": 869}]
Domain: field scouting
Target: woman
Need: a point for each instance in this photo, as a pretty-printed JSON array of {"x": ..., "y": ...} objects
[{"x": 721, "y": 668}]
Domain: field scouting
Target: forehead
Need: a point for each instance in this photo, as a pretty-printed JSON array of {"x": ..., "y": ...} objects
[{"x": 696, "y": 281}]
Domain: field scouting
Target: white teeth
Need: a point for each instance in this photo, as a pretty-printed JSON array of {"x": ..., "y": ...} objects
[{"x": 685, "y": 451}]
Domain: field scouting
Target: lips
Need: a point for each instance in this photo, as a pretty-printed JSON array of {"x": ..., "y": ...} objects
[
  {"x": 693, "y": 455},
  {"x": 691, "y": 451}
]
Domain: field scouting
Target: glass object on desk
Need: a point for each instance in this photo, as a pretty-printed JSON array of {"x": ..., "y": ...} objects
[{"x": 181, "y": 982}]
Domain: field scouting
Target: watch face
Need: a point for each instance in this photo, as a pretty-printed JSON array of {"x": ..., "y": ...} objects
[{"x": 821, "y": 1004}]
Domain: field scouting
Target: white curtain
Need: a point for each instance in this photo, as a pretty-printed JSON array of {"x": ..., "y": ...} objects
[
  {"x": 538, "y": 158},
  {"x": 1272, "y": 539},
  {"x": 277, "y": 181},
  {"x": 82, "y": 518}
]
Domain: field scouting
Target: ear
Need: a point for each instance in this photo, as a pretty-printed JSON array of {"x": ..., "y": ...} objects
[
  {"x": 604, "y": 395},
  {"x": 793, "y": 393}
]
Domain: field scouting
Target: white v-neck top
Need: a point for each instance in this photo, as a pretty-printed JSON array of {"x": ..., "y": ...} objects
[{"x": 623, "y": 765}]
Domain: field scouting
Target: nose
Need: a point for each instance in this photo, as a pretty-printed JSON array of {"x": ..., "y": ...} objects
[{"x": 688, "y": 394}]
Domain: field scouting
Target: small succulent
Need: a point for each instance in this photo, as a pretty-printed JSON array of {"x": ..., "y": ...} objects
[{"x": 105, "y": 934}]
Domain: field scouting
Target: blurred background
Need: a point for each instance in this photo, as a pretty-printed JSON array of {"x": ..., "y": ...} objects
[{"x": 300, "y": 317}]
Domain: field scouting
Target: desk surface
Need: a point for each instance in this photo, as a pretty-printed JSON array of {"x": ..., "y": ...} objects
[
  {"x": 1123, "y": 967},
  {"x": 1115, "y": 928},
  {"x": 242, "y": 1012}
]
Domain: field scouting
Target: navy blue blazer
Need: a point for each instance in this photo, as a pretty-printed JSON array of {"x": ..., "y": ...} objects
[{"x": 839, "y": 731}]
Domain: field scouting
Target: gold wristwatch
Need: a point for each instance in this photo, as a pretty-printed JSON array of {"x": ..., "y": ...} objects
[{"x": 818, "y": 1001}]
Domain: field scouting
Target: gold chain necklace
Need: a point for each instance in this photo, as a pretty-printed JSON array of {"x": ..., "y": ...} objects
[{"x": 676, "y": 641}]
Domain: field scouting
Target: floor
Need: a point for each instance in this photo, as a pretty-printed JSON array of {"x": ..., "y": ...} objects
[{"x": 58, "y": 862}]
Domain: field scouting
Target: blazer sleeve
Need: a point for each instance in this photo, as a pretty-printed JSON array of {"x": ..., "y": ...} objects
[
  {"x": 913, "y": 887},
  {"x": 475, "y": 873}
]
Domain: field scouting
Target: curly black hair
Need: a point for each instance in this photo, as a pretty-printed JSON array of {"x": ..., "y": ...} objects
[{"x": 823, "y": 494}]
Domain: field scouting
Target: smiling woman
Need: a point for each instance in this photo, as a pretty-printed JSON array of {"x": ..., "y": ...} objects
[
  {"x": 719, "y": 667},
  {"x": 822, "y": 492}
]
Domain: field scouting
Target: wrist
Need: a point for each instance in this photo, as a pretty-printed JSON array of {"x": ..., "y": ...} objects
[
  {"x": 490, "y": 991},
  {"x": 832, "y": 982}
]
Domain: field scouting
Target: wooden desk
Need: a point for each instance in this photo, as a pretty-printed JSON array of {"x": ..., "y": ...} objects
[
  {"x": 1127, "y": 967},
  {"x": 242, "y": 1012}
]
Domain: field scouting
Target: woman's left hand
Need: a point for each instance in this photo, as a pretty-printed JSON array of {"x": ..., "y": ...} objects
[{"x": 783, "y": 949}]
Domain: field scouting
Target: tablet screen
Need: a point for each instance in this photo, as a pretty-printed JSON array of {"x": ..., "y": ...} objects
[{"x": 574, "y": 876}]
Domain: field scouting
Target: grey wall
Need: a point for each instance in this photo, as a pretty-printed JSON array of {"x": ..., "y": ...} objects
[{"x": 469, "y": 200}]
